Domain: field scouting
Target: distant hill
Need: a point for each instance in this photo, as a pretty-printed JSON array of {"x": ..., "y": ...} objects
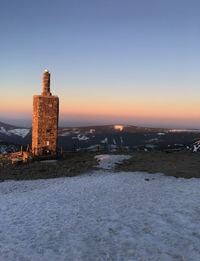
[
  {"x": 129, "y": 137},
  {"x": 6, "y": 126},
  {"x": 14, "y": 134},
  {"x": 109, "y": 137}
]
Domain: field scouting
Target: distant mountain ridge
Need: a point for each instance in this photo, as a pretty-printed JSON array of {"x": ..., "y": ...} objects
[
  {"x": 12, "y": 135},
  {"x": 111, "y": 137},
  {"x": 6, "y": 126}
]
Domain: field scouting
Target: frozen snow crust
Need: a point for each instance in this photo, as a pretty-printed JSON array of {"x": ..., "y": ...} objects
[
  {"x": 19, "y": 132},
  {"x": 107, "y": 161},
  {"x": 101, "y": 216}
]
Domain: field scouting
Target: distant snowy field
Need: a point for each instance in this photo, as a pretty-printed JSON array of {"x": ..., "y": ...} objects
[
  {"x": 19, "y": 132},
  {"x": 103, "y": 215}
]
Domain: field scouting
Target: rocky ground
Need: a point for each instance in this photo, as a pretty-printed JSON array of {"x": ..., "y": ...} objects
[{"x": 71, "y": 164}]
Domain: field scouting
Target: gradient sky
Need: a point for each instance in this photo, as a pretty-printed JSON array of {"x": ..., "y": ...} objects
[{"x": 111, "y": 61}]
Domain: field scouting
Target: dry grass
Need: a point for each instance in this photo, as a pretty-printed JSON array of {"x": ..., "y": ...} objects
[
  {"x": 179, "y": 164},
  {"x": 71, "y": 165}
]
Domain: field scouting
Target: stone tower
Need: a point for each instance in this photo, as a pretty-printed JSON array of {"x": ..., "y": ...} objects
[{"x": 45, "y": 120}]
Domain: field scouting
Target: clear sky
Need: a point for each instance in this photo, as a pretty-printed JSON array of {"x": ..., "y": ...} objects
[{"x": 122, "y": 61}]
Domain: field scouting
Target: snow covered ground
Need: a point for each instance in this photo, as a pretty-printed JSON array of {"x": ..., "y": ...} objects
[
  {"x": 107, "y": 161},
  {"x": 19, "y": 132},
  {"x": 101, "y": 216}
]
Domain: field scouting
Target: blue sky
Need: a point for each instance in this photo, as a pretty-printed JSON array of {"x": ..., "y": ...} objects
[{"x": 123, "y": 61}]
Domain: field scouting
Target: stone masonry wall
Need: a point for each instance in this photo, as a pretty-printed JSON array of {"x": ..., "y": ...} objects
[{"x": 45, "y": 124}]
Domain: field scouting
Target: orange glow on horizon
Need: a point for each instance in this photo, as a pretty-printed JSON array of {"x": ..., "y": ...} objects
[
  {"x": 155, "y": 110},
  {"x": 110, "y": 108}
]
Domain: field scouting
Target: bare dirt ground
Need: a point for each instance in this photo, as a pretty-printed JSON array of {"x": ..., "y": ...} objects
[
  {"x": 179, "y": 164},
  {"x": 71, "y": 164}
]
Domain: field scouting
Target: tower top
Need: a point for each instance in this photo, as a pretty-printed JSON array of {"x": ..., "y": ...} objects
[{"x": 46, "y": 83}]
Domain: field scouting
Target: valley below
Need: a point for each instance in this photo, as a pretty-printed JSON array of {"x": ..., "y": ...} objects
[{"x": 110, "y": 138}]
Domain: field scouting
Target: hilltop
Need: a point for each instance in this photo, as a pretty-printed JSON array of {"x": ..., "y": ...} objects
[{"x": 101, "y": 215}]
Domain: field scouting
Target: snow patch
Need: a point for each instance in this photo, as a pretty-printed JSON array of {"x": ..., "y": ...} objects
[
  {"x": 153, "y": 140},
  {"x": 81, "y": 137},
  {"x": 4, "y": 131},
  {"x": 94, "y": 148},
  {"x": 92, "y": 131},
  {"x": 101, "y": 216},
  {"x": 20, "y": 132},
  {"x": 196, "y": 146},
  {"x": 184, "y": 130},
  {"x": 119, "y": 127},
  {"x": 107, "y": 161},
  {"x": 104, "y": 141},
  {"x": 161, "y": 133}
]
